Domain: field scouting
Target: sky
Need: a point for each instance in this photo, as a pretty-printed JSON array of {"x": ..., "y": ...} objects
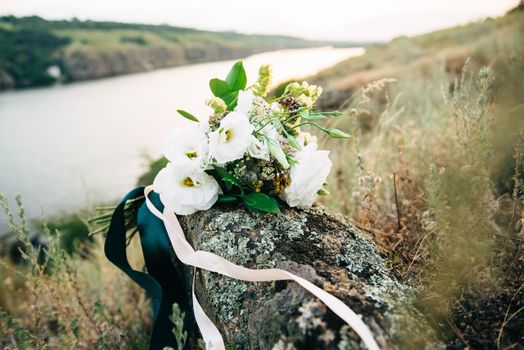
[{"x": 343, "y": 20}]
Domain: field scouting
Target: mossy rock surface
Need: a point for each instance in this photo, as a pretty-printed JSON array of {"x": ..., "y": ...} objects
[{"x": 313, "y": 244}]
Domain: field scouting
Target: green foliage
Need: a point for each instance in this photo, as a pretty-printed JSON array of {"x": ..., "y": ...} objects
[
  {"x": 28, "y": 45},
  {"x": 138, "y": 40},
  {"x": 153, "y": 167},
  {"x": 187, "y": 115},
  {"x": 73, "y": 232},
  {"x": 262, "y": 85},
  {"x": 177, "y": 317},
  {"x": 228, "y": 90},
  {"x": 227, "y": 179},
  {"x": 218, "y": 87},
  {"x": 236, "y": 78},
  {"x": 261, "y": 202},
  {"x": 235, "y": 189},
  {"x": 54, "y": 301},
  {"x": 26, "y": 53}
]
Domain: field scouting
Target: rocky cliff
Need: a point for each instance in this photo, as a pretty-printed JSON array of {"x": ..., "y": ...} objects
[{"x": 94, "y": 64}]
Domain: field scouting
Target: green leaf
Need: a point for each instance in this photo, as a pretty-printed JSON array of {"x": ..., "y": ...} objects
[
  {"x": 228, "y": 179},
  {"x": 218, "y": 87},
  {"x": 187, "y": 115},
  {"x": 227, "y": 199},
  {"x": 231, "y": 99},
  {"x": 261, "y": 202},
  {"x": 236, "y": 77}
]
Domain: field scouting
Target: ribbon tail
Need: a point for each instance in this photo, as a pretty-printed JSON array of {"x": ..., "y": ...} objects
[
  {"x": 210, "y": 333},
  {"x": 115, "y": 247},
  {"x": 162, "y": 282}
]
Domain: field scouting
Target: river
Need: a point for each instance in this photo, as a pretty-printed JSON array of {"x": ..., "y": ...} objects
[{"x": 67, "y": 147}]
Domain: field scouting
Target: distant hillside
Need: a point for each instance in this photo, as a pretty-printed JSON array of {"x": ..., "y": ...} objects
[
  {"x": 440, "y": 56},
  {"x": 80, "y": 50},
  {"x": 493, "y": 41}
]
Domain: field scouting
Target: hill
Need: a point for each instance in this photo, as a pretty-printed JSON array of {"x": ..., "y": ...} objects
[
  {"x": 35, "y": 51},
  {"x": 435, "y": 170}
]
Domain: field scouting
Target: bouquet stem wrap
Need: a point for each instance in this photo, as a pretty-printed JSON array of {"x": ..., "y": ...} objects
[{"x": 212, "y": 262}]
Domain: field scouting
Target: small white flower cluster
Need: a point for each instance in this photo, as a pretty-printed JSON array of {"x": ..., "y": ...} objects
[{"x": 253, "y": 150}]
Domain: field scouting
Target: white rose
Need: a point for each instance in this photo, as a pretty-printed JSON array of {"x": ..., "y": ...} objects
[
  {"x": 244, "y": 102},
  {"x": 185, "y": 190},
  {"x": 187, "y": 147},
  {"x": 307, "y": 176},
  {"x": 232, "y": 138}
]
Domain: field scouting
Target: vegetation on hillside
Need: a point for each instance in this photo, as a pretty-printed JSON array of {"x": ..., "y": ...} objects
[
  {"x": 89, "y": 49},
  {"x": 435, "y": 171}
]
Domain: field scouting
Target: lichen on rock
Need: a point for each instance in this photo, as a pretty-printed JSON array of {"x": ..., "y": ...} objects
[{"x": 282, "y": 315}]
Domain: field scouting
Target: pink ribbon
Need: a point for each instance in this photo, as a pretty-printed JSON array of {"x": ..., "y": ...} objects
[{"x": 212, "y": 262}]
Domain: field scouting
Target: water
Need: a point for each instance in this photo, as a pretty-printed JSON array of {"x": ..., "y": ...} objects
[{"x": 66, "y": 147}]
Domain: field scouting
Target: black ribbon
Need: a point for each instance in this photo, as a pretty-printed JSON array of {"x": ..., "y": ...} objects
[{"x": 165, "y": 281}]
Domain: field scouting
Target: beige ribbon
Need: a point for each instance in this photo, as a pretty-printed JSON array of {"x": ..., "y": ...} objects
[{"x": 212, "y": 262}]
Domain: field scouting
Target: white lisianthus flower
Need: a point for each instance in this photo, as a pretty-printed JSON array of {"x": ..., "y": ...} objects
[
  {"x": 260, "y": 146},
  {"x": 187, "y": 147},
  {"x": 185, "y": 190},
  {"x": 244, "y": 102},
  {"x": 276, "y": 107},
  {"x": 259, "y": 149},
  {"x": 232, "y": 138},
  {"x": 305, "y": 138},
  {"x": 307, "y": 176}
]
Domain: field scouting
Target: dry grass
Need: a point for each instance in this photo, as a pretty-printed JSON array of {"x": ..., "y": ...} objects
[
  {"x": 434, "y": 170},
  {"x": 57, "y": 301}
]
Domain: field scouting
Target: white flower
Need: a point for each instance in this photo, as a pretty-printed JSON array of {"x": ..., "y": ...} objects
[
  {"x": 306, "y": 101},
  {"x": 259, "y": 149},
  {"x": 307, "y": 176},
  {"x": 260, "y": 146},
  {"x": 276, "y": 107},
  {"x": 185, "y": 190},
  {"x": 187, "y": 147},
  {"x": 305, "y": 138},
  {"x": 244, "y": 102},
  {"x": 269, "y": 131},
  {"x": 255, "y": 107},
  {"x": 232, "y": 138}
]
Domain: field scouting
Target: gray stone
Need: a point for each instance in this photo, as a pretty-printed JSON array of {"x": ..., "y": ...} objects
[{"x": 282, "y": 315}]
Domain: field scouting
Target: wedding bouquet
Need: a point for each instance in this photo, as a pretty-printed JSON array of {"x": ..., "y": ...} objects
[{"x": 251, "y": 149}]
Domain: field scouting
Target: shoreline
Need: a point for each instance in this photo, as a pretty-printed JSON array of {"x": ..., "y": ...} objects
[{"x": 65, "y": 83}]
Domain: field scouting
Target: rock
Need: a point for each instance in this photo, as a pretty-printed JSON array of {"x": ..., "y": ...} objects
[{"x": 282, "y": 315}]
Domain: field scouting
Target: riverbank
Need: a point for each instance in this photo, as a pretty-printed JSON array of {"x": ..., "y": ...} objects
[
  {"x": 120, "y": 119},
  {"x": 35, "y": 51}
]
